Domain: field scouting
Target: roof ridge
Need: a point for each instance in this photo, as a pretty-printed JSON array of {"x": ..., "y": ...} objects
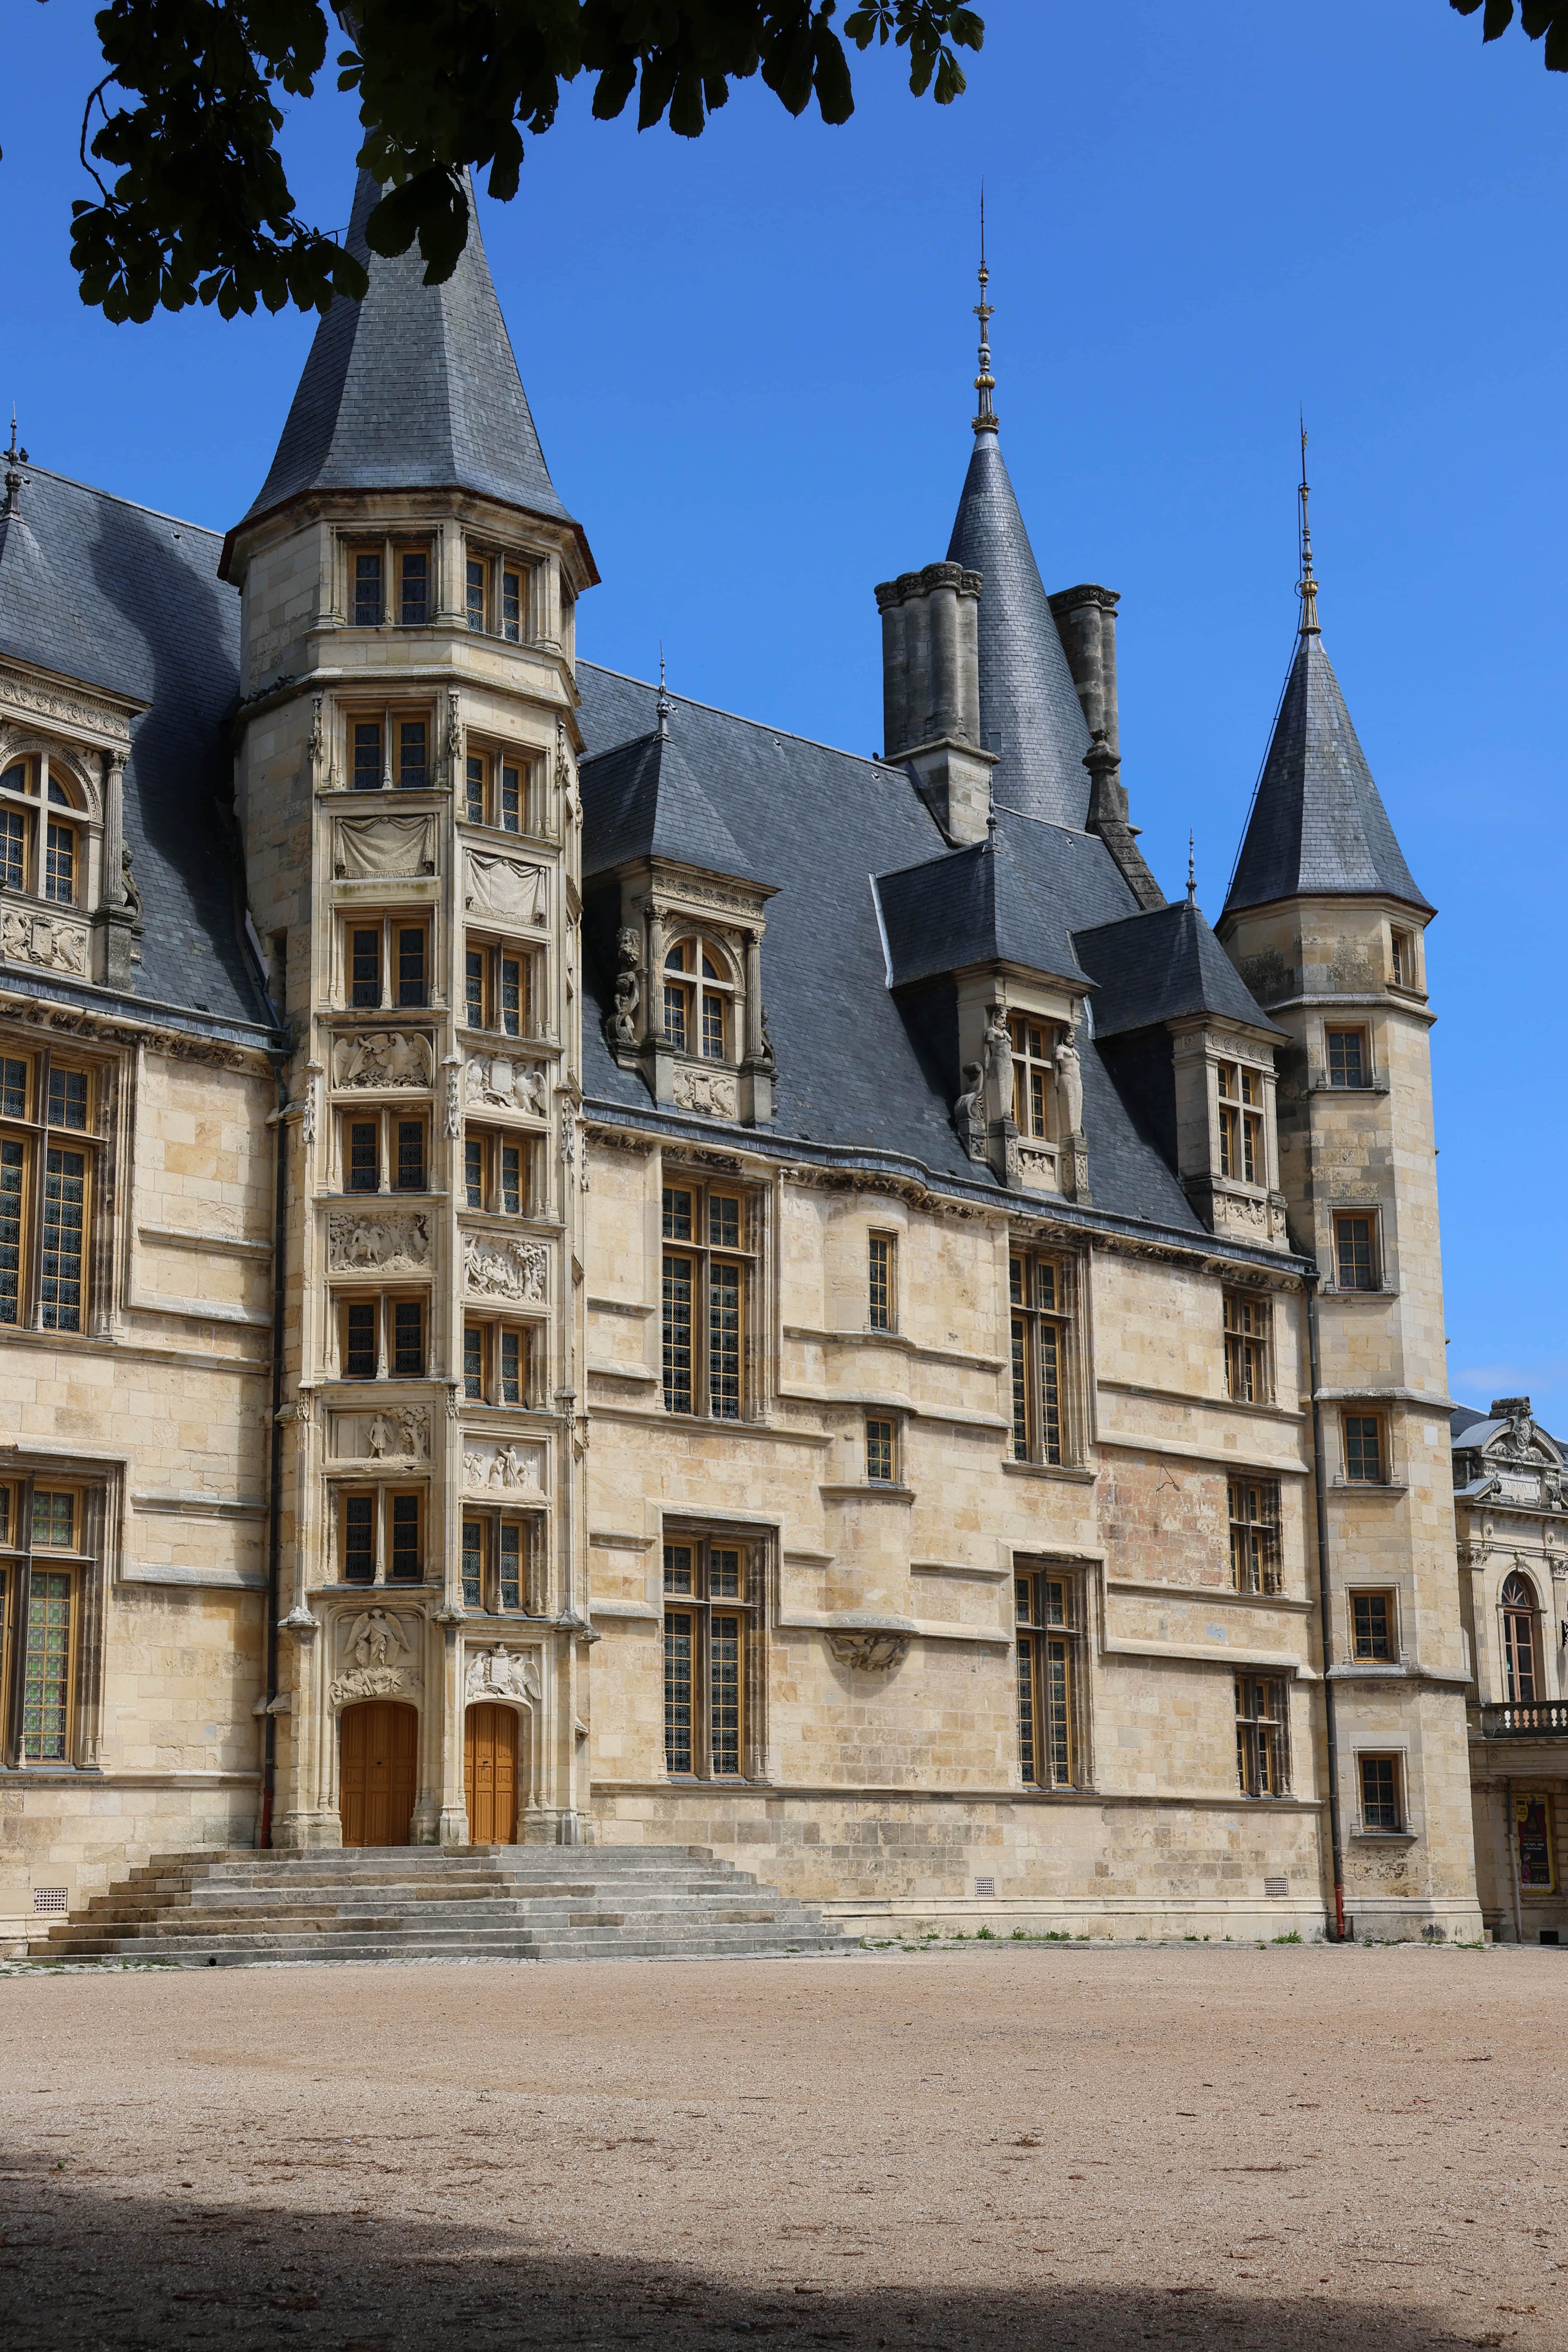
[
  {"x": 886, "y": 767},
  {"x": 118, "y": 497}
]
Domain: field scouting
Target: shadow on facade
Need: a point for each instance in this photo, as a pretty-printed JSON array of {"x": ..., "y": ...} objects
[{"x": 137, "y": 2273}]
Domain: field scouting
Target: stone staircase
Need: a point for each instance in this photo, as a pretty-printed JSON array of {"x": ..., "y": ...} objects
[{"x": 512, "y": 1903}]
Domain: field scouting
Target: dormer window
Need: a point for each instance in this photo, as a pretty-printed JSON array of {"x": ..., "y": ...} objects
[
  {"x": 1240, "y": 1122},
  {"x": 39, "y": 851},
  {"x": 698, "y": 1001},
  {"x": 1032, "y": 1063}
]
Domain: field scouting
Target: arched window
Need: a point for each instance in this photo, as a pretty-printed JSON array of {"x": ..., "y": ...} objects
[
  {"x": 698, "y": 1001},
  {"x": 38, "y": 852},
  {"x": 1518, "y": 1640}
]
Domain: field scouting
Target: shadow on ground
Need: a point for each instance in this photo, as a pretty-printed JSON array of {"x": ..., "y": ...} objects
[{"x": 122, "y": 2273}]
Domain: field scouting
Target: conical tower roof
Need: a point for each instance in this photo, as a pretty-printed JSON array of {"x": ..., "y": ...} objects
[
  {"x": 1030, "y": 710},
  {"x": 415, "y": 387},
  {"x": 1318, "y": 827}
]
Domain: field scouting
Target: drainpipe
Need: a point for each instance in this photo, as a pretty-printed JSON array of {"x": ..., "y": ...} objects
[
  {"x": 275, "y": 1467},
  {"x": 1511, "y": 1829},
  {"x": 1336, "y": 1837}
]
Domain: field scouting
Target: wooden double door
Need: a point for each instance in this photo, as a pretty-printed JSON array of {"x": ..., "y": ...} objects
[
  {"x": 489, "y": 1774},
  {"x": 378, "y": 1773}
]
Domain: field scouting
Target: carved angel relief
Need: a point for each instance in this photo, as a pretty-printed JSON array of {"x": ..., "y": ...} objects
[
  {"x": 377, "y": 1657},
  {"x": 871, "y": 1652}
]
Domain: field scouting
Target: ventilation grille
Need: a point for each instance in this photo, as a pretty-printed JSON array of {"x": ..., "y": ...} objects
[
  {"x": 55, "y": 1900},
  {"x": 985, "y": 1886}
]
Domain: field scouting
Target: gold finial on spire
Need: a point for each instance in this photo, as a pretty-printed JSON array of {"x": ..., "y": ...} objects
[
  {"x": 985, "y": 420},
  {"x": 1307, "y": 588}
]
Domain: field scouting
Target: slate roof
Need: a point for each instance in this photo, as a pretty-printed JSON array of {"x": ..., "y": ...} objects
[
  {"x": 1471, "y": 1431},
  {"x": 1030, "y": 710},
  {"x": 642, "y": 800},
  {"x": 972, "y": 905},
  {"x": 1163, "y": 966},
  {"x": 1318, "y": 827},
  {"x": 415, "y": 387},
  {"x": 858, "y": 1067},
  {"x": 97, "y": 589}
]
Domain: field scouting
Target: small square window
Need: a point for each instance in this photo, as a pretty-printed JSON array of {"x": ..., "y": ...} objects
[
  {"x": 1348, "y": 1057},
  {"x": 54, "y": 1519},
  {"x": 1355, "y": 1252},
  {"x": 879, "y": 1452},
  {"x": 67, "y": 1099},
  {"x": 1365, "y": 1461},
  {"x": 1372, "y": 1626}
]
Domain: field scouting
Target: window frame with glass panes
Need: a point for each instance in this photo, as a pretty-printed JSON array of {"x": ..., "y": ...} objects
[
  {"x": 701, "y": 1000},
  {"x": 1034, "y": 1049},
  {"x": 881, "y": 1282},
  {"x": 498, "y": 788},
  {"x": 501, "y": 986},
  {"x": 1374, "y": 1613},
  {"x": 53, "y": 1112},
  {"x": 389, "y": 748},
  {"x": 1403, "y": 971},
  {"x": 1360, "y": 1430},
  {"x": 1248, "y": 1316},
  {"x": 1257, "y": 1557},
  {"x": 388, "y": 958},
  {"x": 708, "y": 1379},
  {"x": 1040, "y": 1290},
  {"x": 1347, "y": 1059},
  {"x": 407, "y": 561},
  {"x": 384, "y": 1527},
  {"x": 500, "y": 1356},
  {"x": 498, "y": 593},
  {"x": 499, "y": 1170},
  {"x": 1240, "y": 1134},
  {"x": 1262, "y": 1735},
  {"x": 382, "y": 1148},
  {"x": 44, "y": 830},
  {"x": 1047, "y": 1637},
  {"x": 1357, "y": 1251},
  {"x": 881, "y": 1456},
  {"x": 44, "y": 1582},
  {"x": 389, "y": 1318},
  {"x": 500, "y": 1573},
  {"x": 710, "y": 1629},
  {"x": 1380, "y": 1792}
]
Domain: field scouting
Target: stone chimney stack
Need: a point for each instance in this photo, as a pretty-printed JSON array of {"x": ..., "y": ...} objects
[
  {"x": 931, "y": 693},
  {"x": 1086, "y": 623}
]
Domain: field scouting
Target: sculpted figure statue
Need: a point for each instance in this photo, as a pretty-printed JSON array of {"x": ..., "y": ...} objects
[
  {"x": 968, "y": 1114},
  {"x": 1069, "y": 1086},
  {"x": 628, "y": 990}
]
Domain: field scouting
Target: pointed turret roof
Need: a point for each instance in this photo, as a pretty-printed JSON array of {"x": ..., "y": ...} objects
[
  {"x": 1318, "y": 827},
  {"x": 1029, "y": 711},
  {"x": 415, "y": 387}
]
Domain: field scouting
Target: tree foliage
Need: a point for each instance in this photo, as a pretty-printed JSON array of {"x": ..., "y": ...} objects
[
  {"x": 1544, "y": 20},
  {"x": 196, "y": 206}
]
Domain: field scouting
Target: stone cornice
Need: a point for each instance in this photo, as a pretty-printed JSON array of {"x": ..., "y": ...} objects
[
  {"x": 66, "y": 702},
  {"x": 120, "y": 1021}
]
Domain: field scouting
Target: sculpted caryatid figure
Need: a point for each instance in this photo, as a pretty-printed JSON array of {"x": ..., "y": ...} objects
[
  {"x": 968, "y": 1114},
  {"x": 628, "y": 990},
  {"x": 1069, "y": 1086}
]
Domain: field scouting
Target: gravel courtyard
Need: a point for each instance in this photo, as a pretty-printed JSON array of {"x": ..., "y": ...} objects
[{"x": 1047, "y": 2146}]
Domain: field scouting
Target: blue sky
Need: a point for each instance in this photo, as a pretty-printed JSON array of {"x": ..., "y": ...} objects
[{"x": 750, "y": 359}]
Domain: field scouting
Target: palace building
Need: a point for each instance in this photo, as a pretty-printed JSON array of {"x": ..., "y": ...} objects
[{"x": 580, "y": 1270}]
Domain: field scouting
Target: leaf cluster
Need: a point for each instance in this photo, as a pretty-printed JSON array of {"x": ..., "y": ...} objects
[
  {"x": 199, "y": 208},
  {"x": 1541, "y": 20}
]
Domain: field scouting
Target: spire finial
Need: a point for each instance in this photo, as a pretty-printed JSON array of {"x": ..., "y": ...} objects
[
  {"x": 1192, "y": 871},
  {"x": 1307, "y": 588},
  {"x": 985, "y": 420},
  {"x": 14, "y": 460},
  {"x": 663, "y": 705}
]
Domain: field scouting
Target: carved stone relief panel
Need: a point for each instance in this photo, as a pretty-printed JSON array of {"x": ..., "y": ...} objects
[
  {"x": 361, "y": 1242},
  {"x": 43, "y": 940},
  {"x": 377, "y": 1655},
  {"x": 869, "y": 1652},
  {"x": 365, "y": 847},
  {"x": 1038, "y": 1169},
  {"x": 712, "y": 1093},
  {"x": 501, "y": 1673},
  {"x": 396, "y": 1435},
  {"x": 503, "y": 1469},
  {"x": 506, "y": 888},
  {"x": 501, "y": 1082},
  {"x": 505, "y": 1269},
  {"x": 382, "y": 1057}
]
